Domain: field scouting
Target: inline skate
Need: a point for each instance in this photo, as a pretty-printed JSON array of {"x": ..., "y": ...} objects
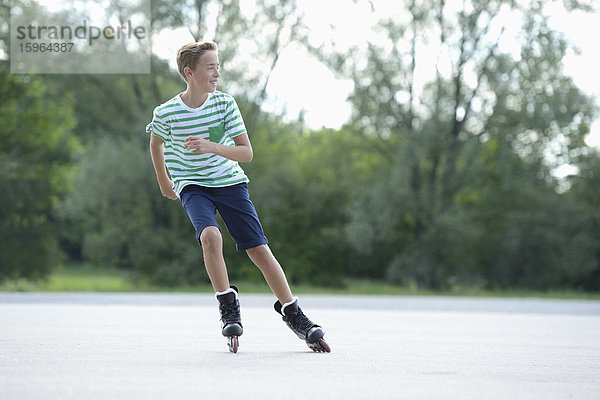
[
  {"x": 231, "y": 323},
  {"x": 303, "y": 327}
]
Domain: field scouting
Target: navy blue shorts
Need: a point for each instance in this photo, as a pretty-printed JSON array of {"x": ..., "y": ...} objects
[{"x": 235, "y": 207}]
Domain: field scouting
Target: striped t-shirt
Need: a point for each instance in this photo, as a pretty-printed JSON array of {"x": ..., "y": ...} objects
[{"x": 218, "y": 120}]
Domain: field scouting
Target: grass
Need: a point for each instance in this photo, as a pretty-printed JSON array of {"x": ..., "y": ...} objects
[
  {"x": 83, "y": 279},
  {"x": 88, "y": 279}
]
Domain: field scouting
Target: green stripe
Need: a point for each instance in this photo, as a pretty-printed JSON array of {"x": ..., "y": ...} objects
[
  {"x": 196, "y": 117},
  {"x": 230, "y": 127},
  {"x": 155, "y": 127},
  {"x": 184, "y": 111},
  {"x": 194, "y": 168},
  {"x": 200, "y": 158},
  {"x": 174, "y": 113},
  {"x": 189, "y": 157},
  {"x": 165, "y": 106},
  {"x": 200, "y": 125},
  {"x": 232, "y": 120}
]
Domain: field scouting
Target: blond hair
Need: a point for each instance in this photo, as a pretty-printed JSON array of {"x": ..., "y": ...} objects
[{"x": 189, "y": 54}]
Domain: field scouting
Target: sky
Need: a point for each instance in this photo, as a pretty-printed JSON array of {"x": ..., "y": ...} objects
[{"x": 290, "y": 92}]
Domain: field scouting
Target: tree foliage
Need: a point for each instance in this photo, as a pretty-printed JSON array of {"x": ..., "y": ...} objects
[
  {"x": 475, "y": 146},
  {"x": 35, "y": 154}
]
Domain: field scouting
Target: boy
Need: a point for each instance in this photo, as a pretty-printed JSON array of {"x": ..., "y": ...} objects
[{"x": 197, "y": 140}]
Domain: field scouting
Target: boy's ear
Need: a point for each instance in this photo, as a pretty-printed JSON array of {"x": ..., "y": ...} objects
[{"x": 187, "y": 71}]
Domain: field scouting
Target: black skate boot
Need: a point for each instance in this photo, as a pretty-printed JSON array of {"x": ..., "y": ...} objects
[
  {"x": 231, "y": 323},
  {"x": 303, "y": 327}
]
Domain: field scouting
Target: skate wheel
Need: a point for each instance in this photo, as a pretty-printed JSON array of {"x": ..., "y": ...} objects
[
  {"x": 320, "y": 346},
  {"x": 324, "y": 346},
  {"x": 233, "y": 343}
]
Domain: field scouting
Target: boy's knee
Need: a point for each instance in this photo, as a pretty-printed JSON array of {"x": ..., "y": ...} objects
[
  {"x": 210, "y": 238},
  {"x": 262, "y": 250}
]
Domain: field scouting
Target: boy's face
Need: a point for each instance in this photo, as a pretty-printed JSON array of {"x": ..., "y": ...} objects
[{"x": 205, "y": 75}]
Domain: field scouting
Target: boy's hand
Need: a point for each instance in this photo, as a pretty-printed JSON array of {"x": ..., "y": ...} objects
[
  {"x": 166, "y": 188},
  {"x": 198, "y": 145}
]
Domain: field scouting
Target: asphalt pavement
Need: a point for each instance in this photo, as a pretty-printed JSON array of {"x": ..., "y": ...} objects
[{"x": 168, "y": 346}]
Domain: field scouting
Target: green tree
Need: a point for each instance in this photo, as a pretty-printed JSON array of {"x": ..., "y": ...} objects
[
  {"x": 302, "y": 183},
  {"x": 436, "y": 139},
  {"x": 35, "y": 155},
  {"x": 585, "y": 193},
  {"x": 122, "y": 220},
  {"x": 109, "y": 108},
  {"x": 527, "y": 235}
]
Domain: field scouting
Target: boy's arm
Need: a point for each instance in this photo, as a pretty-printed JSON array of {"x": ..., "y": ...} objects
[
  {"x": 242, "y": 151},
  {"x": 158, "y": 160}
]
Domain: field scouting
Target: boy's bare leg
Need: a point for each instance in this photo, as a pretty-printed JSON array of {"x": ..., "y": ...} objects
[
  {"x": 212, "y": 248},
  {"x": 264, "y": 259}
]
